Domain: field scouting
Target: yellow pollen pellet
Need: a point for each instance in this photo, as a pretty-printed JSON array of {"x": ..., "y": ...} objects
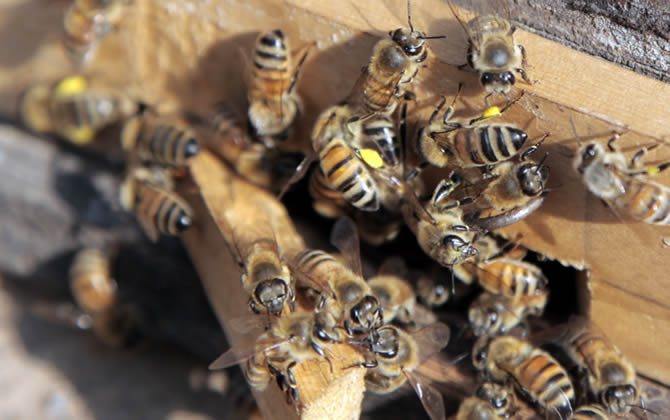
[
  {"x": 371, "y": 158},
  {"x": 491, "y": 112},
  {"x": 70, "y": 86}
]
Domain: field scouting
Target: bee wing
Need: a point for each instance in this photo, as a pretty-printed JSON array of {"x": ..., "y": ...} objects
[
  {"x": 431, "y": 339},
  {"x": 344, "y": 237},
  {"x": 473, "y": 36},
  {"x": 300, "y": 172},
  {"x": 229, "y": 235},
  {"x": 431, "y": 399},
  {"x": 315, "y": 283},
  {"x": 247, "y": 324},
  {"x": 236, "y": 355}
]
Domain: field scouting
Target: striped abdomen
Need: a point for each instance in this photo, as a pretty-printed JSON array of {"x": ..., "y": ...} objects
[
  {"x": 345, "y": 173},
  {"x": 271, "y": 68},
  {"x": 327, "y": 201},
  {"x": 92, "y": 111},
  {"x": 381, "y": 131},
  {"x": 91, "y": 281},
  {"x": 546, "y": 381},
  {"x": 509, "y": 277},
  {"x": 589, "y": 412},
  {"x": 163, "y": 210},
  {"x": 257, "y": 371},
  {"x": 485, "y": 144},
  {"x": 646, "y": 201},
  {"x": 318, "y": 265},
  {"x": 159, "y": 142}
]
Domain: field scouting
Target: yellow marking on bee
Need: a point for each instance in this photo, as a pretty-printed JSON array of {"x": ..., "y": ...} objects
[
  {"x": 81, "y": 135},
  {"x": 372, "y": 158},
  {"x": 70, "y": 86},
  {"x": 491, "y": 112},
  {"x": 653, "y": 171}
]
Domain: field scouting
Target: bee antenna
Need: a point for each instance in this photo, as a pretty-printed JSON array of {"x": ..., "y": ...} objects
[
  {"x": 541, "y": 164},
  {"x": 433, "y": 37},
  {"x": 574, "y": 130},
  {"x": 409, "y": 15}
]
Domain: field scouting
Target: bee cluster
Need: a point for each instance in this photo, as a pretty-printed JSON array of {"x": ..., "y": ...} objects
[{"x": 367, "y": 174}]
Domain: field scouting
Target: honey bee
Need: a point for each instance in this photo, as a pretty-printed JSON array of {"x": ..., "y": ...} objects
[
  {"x": 472, "y": 144},
  {"x": 493, "y": 53},
  {"x": 496, "y": 315},
  {"x": 158, "y": 140},
  {"x": 534, "y": 372},
  {"x": 95, "y": 291},
  {"x": 393, "y": 65},
  {"x": 148, "y": 194},
  {"x": 511, "y": 277},
  {"x": 624, "y": 186},
  {"x": 352, "y": 299},
  {"x": 589, "y": 412},
  {"x": 398, "y": 356},
  {"x": 293, "y": 338},
  {"x": 86, "y": 22},
  {"x": 273, "y": 103},
  {"x": 439, "y": 229},
  {"x": 490, "y": 401},
  {"x": 611, "y": 377},
  {"x": 72, "y": 109}
]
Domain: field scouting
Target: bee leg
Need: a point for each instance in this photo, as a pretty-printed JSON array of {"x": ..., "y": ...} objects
[
  {"x": 296, "y": 72},
  {"x": 450, "y": 111},
  {"x": 532, "y": 149},
  {"x": 254, "y": 307},
  {"x": 321, "y": 353},
  {"x": 610, "y": 142}
]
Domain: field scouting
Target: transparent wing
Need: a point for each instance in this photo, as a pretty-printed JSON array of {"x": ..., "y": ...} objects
[
  {"x": 306, "y": 279},
  {"x": 236, "y": 355},
  {"x": 344, "y": 237},
  {"x": 431, "y": 399},
  {"x": 431, "y": 339},
  {"x": 247, "y": 324}
]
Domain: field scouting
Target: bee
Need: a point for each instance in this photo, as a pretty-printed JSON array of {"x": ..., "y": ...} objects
[
  {"x": 490, "y": 401},
  {"x": 590, "y": 412},
  {"x": 72, "y": 109},
  {"x": 397, "y": 358},
  {"x": 611, "y": 377},
  {"x": 496, "y": 315},
  {"x": 534, "y": 371},
  {"x": 511, "y": 277},
  {"x": 472, "y": 144},
  {"x": 624, "y": 186},
  {"x": 352, "y": 299},
  {"x": 86, "y": 22},
  {"x": 493, "y": 53},
  {"x": 439, "y": 229},
  {"x": 96, "y": 292},
  {"x": 148, "y": 194},
  {"x": 295, "y": 337},
  {"x": 158, "y": 140},
  {"x": 393, "y": 65},
  {"x": 273, "y": 103}
]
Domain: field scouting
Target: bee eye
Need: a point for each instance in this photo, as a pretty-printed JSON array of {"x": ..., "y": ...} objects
[
  {"x": 453, "y": 241},
  {"x": 487, "y": 78},
  {"x": 501, "y": 403},
  {"x": 493, "y": 316},
  {"x": 508, "y": 77}
]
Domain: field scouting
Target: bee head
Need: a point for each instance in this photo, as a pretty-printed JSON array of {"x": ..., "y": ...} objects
[
  {"x": 385, "y": 342},
  {"x": 367, "y": 312},
  {"x": 410, "y": 41},
  {"x": 532, "y": 178},
  {"x": 272, "y": 294},
  {"x": 498, "y": 82}
]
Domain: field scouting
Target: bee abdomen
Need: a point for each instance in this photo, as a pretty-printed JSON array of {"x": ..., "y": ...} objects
[
  {"x": 382, "y": 133},
  {"x": 489, "y": 144},
  {"x": 345, "y": 173},
  {"x": 648, "y": 202},
  {"x": 271, "y": 64},
  {"x": 589, "y": 412},
  {"x": 547, "y": 382},
  {"x": 167, "y": 212},
  {"x": 90, "y": 281},
  {"x": 313, "y": 260},
  {"x": 161, "y": 143},
  {"x": 257, "y": 372}
]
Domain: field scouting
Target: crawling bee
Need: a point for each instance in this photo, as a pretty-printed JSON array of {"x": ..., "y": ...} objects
[
  {"x": 351, "y": 298},
  {"x": 158, "y": 140},
  {"x": 493, "y": 53},
  {"x": 72, "y": 109},
  {"x": 610, "y": 376},
  {"x": 293, "y": 338},
  {"x": 534, "y": 372},
  {"x": 393, "y": 66},
  {"x": 273, "y": 103},
  {"x": 149, "y": 195},
  {"x": 625, "y": 187},
  {"x": 490, "y": 401},
  {"x": 472, "y": 144},
  {"x": 86, "y": 22},
  {"x": 397, "y": 358},
  {"x": 496, "y": 315},
  {"x": 95, "y": 291}
]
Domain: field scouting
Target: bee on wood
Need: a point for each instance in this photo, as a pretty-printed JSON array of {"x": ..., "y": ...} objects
[
  {"x": 611, "y": 377},
  {"x": 590, "y": 412},
  {"x": 493, "y": 53},
  {"x": 496, "y": 315},
  {"x": 534, "y": 372},
  {"x": 625, "y": 187},
  {"x": 295, "y": 337},
  {"x": 72, "y": 109},
  {"x": 95, "y": 291},
  {"x": 86, "y": 22},
  {"x": 452, "y": 143},
  {"x": 397, "y": 359},
  {"x": 351, "y": 298},
  {"x": 393, "y": 66},
  {"x": 159, "y": 140},
  {"x": 148, "y": 193},
  {"x": 273, "y": 103},
  {"x": 490, "y": 401}
]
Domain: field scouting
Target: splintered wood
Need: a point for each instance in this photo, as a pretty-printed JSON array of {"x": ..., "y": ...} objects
[{"x": 225, "y": 198}]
